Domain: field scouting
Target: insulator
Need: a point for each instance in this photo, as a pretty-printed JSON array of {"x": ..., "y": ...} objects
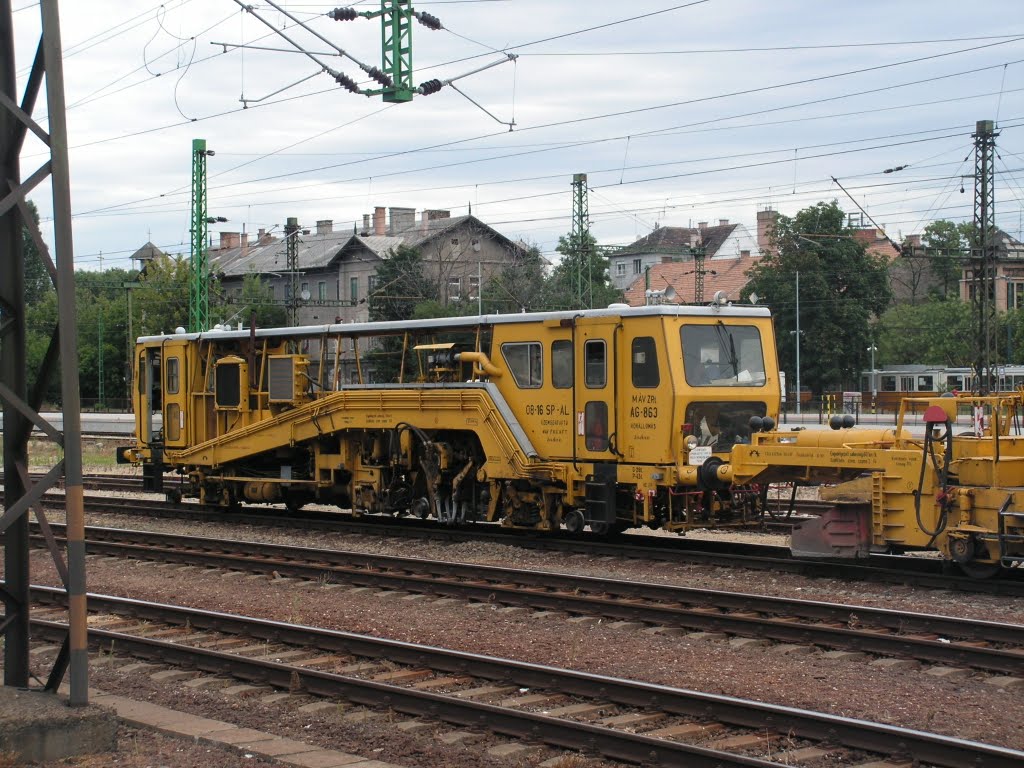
[
  {"x": 428, "y": 20},
  {"x": 431, "y": 86},
  {"x": 343, "y": 14},
  {"x": 380, "y": 77},
  {"x": 347, "y": 82}
]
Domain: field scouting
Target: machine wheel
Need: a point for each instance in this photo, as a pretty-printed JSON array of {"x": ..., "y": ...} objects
[
  {"x": 966, "y": 552},
  {"x": 574, "y": 522},
  {"x": 173, "y": 496}
]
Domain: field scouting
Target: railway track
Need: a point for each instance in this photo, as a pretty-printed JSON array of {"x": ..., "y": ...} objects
[
  {"x": 616, "y": 718},
  {"x": 921, "y": 572},
  {"x": 988, "y": 646}
]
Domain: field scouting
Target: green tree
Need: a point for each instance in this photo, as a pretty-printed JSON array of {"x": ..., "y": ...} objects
[
  {"x": 517, "y": 286},
  {"x": 256, "y": 298},
  {"x": 948, "y": 244},
  {"x": 935, "y": 332},
  {"x": 401, "y": 285},
  {"x": 842, "y": 287},
  {"x": 581, "y": 279},
  {"x": 38, "y": 282},
  {"x": 160, "y": 303}
]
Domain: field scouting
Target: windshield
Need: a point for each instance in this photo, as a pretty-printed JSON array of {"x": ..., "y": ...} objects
[{"x": 722, "y": 355}]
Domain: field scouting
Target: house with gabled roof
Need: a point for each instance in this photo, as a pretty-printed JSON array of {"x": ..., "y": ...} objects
[
  {"x": 337, "y": 269},
  {"x": 723, "y": 242}
]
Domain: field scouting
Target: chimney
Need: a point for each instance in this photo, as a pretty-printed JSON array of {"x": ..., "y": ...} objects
[
  {"x": 765, "y": 225},
  {"x": 260, "y": 234},
  {"x": 702, "y": 225},
  {"x": 325, "y": 226},
  {"x": 723, "y": 222},
  {"x": 366, "y": 225},
  {"x": 245, "y": 241},
  {"x": 229, "y": 240},
  {"x": 378, "y": 220},
  {"x": 693, "y": 239},
  {"x": 402, "y": 219}
]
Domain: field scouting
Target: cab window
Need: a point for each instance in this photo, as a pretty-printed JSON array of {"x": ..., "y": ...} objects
[
  {"x": 722, "y": 355},
  {"x": 525, "y": 363},
  {"x": 561, "y": 364},
  {"x": 596, "y": 366},
  {"x": 173, "y": 376},
  {"x": 644, "y": 358}
]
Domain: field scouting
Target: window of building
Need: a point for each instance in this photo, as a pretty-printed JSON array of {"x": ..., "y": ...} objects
[
  {"x": 1014, "y": 295},
  {"x": 561, "y": 364},
  {"x": 371, "y": 284},
  {"x": 321, "y": 290},
  {"x": 638, "y": 266},
  {"x": 353, "y": 289},
  {"x": 595, "y": 364},
  {"x": 620, "y": 269},
  {"x": 474, "y": 287},
  {"x": 525, "y": 363},
  {"x": 644, "y": 358},
  {"x": 454, "y": 288},
  {"x": 304, "y": 289}
]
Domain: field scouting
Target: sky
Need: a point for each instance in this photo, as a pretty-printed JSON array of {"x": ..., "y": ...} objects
[{"x": 677, "y": 112}]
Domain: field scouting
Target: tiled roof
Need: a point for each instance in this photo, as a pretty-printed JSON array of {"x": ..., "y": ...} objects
[
  {"x": 679, "y": 238},
  {"x": 730, "y": 276}
]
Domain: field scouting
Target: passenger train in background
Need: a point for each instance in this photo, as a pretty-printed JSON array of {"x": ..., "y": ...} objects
[{"x": 888, "y": 386}]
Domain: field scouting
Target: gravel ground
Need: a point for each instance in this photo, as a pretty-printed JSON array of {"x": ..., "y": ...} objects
[{"x": 967, "y": 708}]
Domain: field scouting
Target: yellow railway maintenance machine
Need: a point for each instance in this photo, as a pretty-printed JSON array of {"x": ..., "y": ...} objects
[
  {"x": 608, "y": 418},
  {"x": 955, "y": 490}
]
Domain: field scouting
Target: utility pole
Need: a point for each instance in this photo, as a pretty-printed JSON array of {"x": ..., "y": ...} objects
[
  {"x": 581, "y": 240},
  {"x": 983, "y": 253},
  {"x": 199, "y": 272},
  {"x": 291, "y": 241},
  {"x": 21, "y": 406}
]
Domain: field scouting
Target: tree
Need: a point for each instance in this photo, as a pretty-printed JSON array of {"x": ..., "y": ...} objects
[
  {"x": 38, "y": 282},
  {"x": 399, "y": 286},
  {"x": 581, "y": 279},
  {"x": 160, "y": 302},
  {"x": 518, "y": 286},
  {"x": 256, "y": 298},
  {"x": 935, "y": 332},
  {"x": 948, "y": 245},
  {"x": 842, "y": 287}
]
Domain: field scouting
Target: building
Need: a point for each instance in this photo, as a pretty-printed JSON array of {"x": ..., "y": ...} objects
[
  {"x": 337, "y": 269},
  {"x": 665, "y": 259}
]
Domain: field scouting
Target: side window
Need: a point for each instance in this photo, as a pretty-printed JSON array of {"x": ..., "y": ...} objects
[
  {"x": 561, "y": 364},
  {"x": 595, "y": 425},
  {"x": 173, "y": 376},
  {"x": 645, "y": 362},
  {"x": 525, "y": 363},
  {"x": 595, "y": 364},
  {"x": 172, "y": 424}
]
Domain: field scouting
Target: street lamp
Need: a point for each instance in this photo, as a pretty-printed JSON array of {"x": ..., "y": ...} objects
[{"x": 874, "y": 379}]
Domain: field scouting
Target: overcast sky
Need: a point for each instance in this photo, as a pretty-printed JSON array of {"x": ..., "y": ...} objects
[{"x": 678, "y": 113}]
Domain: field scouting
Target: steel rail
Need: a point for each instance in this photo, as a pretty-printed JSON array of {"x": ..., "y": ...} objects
[
  {"x": 916, "y": 571},
  {"x": 922, "y": 747},
  {"x": 849, "y": 627}
]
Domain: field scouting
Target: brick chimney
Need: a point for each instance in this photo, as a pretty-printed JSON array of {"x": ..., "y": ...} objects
[
  {"x": 402, "y": 219},
  {"x": 723, "y": 222},
  {"x": 366, "y": 225},
  {"x": 229, "y": 240},
  {"x": 430, "y": 214},
  {"x": 765, "y": 224},
  {"x": 702, "y": 225},
  {"x": 325, "y": 226},
  {"x": 379, "y": 214}
]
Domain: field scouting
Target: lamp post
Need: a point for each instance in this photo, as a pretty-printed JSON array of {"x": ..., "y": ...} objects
[
  {"x": 797, "y": 333},
  {"x": 874, "y": 379}
]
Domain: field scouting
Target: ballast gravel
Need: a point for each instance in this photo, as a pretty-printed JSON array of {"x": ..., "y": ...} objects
[{"x": 968, "y": 706}]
